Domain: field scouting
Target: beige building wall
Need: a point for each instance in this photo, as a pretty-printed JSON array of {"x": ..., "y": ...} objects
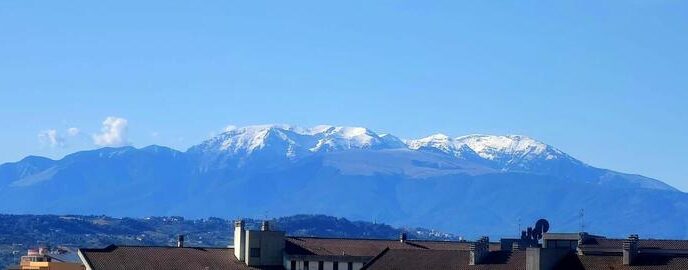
[{"x": 51, "y": 266}]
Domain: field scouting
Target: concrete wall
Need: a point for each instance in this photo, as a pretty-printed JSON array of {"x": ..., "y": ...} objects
[
  {"x": 544, "y": 258},
  {"x": 239, "y": 240},
  {"x": 271, "y": 245}
]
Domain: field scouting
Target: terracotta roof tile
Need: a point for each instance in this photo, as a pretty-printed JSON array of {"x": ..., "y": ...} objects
[
  {"x": 173, "y": 258},
  {"x": 607, "y": 243},
  {"x": 361, "y": 247},
  {"x": 614, "y": 262},
  {"x": 445, "y": 259}
]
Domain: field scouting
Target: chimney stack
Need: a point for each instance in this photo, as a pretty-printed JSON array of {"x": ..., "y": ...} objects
[
  {"x": 240, "y": 239},
  {"x": 402, "y": 237},
  {"x": 516, "y": 245},
  {"x": 265, "y": 226},
  {"x": 180, "y": 241},
  {"x": 479, "y": 250},
  {"x": 582, "y": 240},
  {"x": 630, "y": 249}
]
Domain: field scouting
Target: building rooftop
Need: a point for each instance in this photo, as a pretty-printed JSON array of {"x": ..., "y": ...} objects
[
  {"x": 270, "y": 250},
  {"x": 361, "y": 247},
  {"x": 445, "y": 259},
  {"x": 163, "y": 257},
  {"x": 614, "y": 262},
  {"x": 606, "y": 243}
]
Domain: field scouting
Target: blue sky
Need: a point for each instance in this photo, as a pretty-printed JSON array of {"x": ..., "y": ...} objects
[{"x": 604, "y": 81}]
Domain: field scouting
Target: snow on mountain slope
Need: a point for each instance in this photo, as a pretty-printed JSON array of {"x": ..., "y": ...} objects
[
  {"x": 280, "y": 145},
  {"x": 344, "y": 138},
  {"x": 296, "y": 141},
  {"x": 494, "y": 147},
  {"x": 246, "y": 140},
  {"x": 444, "y": 144},
  {"x": 507, "y": 153}
]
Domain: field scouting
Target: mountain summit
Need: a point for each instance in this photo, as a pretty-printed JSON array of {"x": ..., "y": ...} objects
[
  {"x": 469, "y": 185},
  {"x": 296, "y": 141}
]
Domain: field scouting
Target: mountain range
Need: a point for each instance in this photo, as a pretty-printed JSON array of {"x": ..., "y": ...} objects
[{"x": 469, "y": 185}]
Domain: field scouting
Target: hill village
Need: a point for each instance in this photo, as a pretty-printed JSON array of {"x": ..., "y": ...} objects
[{"x": 270, "y": 248}]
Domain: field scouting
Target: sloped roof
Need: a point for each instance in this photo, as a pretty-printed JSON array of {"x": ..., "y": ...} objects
[
  {"x": 607, "y": 243},
  {"x": 361, "y": 247},
  {"x": 614, "y": 262},
  {"x": 416, "y": 259},
  {"x": 162, "y": 257}
]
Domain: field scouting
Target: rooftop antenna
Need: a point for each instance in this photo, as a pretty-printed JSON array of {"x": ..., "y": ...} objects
[
  {"x": 582, "y": 219},
  {"x": 519, "y": 226}
]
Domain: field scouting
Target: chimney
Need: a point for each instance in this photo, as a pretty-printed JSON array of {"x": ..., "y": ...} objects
[
  {"x": 240, "y": 240},
  {"x": 516, "y": 245},
  {"x": 479, "y": 250},
  {"x": 265, "y": 226},
  {"x": 582, "y": 239},
  {"x": 402, "y": 237},
  {"x": 180, "y": 241},
  {"x": 630, "y": 249}
]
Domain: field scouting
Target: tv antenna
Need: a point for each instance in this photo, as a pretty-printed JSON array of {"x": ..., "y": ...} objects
[{"x": 582, "y": 219}]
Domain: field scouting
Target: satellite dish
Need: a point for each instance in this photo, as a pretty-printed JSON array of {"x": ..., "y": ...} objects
[
  {"x": 541, "y": 227},
  {"x": 536, "y": 232}
]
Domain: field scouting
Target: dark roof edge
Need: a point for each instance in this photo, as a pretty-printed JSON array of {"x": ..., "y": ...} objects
[
  {"x": 84, "y": 259},
  {"x": 374, "y": 259},
  {"x": 378, "y": 239},
  {"x": 113, "y": 247}
]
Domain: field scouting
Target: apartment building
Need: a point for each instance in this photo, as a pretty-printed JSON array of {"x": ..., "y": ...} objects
[{"x": 272, "y": 249}]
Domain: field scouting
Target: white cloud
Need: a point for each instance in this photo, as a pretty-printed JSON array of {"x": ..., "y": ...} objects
[
  {"x": 73, "y": 131},
  {"x": 113, "y": 132},
  {"x": 51, "y": 138}
]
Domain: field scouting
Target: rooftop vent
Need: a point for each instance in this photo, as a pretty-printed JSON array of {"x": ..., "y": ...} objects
[
  {"x": 180, "y": 241},
  {"x": 630, "y": 249},
  {"x": 479, "y": 250}
]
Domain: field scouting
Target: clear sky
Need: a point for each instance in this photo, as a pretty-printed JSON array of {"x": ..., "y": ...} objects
[{"x": 605, "y": 81}]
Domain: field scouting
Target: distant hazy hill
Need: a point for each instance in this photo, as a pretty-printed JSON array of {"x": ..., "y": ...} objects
[
  {"x": 20, "y": 232},
  {"x": 469, "y": 185}
]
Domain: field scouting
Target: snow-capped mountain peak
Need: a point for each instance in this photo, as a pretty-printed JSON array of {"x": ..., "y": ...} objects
[
  {"x": 296, "y": 140},
  {"x": 492, "y": 147},
  {"x": 442, "y": 143},
  {"x": 343, "y": 138},
  {"x": 438, "y": 140},
  {"x": 507, "y": 153}
]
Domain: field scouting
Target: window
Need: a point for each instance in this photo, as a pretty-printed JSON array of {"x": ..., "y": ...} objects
[
  {"x": 350, "y": 266},
  {"x": 335, "y": 265},
  {"x": 321, "y": 265},
  {"x": 293, "y": 265},
  {"x": 255, "y": 252},
  {"x": 305, "y": 265}
]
